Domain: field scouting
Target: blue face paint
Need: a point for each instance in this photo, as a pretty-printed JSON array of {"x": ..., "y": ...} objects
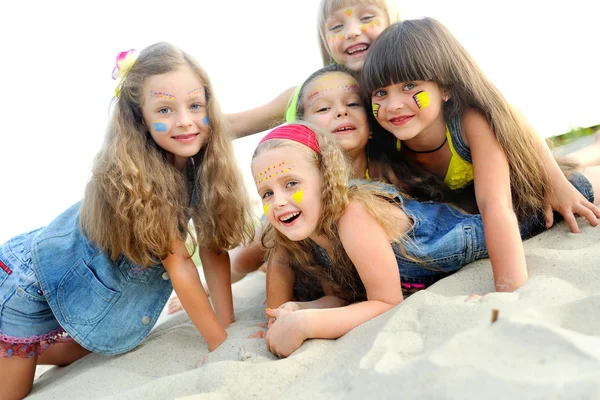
[
  {"x": 205, "y": 120},
  {"x": 159, "y": 126}
]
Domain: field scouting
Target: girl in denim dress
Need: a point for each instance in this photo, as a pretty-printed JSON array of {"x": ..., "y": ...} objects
[
  {"x": 97, "y": 277},
  {"x": 352, "y": 246},
  {"x": 441, "y": 114}
]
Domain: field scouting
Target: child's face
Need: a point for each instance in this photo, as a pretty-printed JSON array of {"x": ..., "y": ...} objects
[
  {"x": 174, "y": 111},
  {"x": 332, "y": 102},
  {"x": 408, "y": 108},
  {"x": 289, "y": 186},
  {"x": 351, "y": 31}
]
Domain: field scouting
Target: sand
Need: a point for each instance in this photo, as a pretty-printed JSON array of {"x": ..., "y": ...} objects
[{"x": 435, "y": 345}]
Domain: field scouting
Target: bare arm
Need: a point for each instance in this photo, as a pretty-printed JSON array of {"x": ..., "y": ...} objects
[
  {"x": 280, "y": 280},
  {"x": 493, "y": 194},
  {"x": 261, "y": 118},
  {"x": 218, "y": 278},
  {"x": 188, "y": 287}
]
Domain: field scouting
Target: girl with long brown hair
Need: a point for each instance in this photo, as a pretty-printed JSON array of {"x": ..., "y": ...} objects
[{"x": 442, "y": 113}]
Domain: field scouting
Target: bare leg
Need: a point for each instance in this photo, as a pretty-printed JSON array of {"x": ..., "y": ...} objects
[
  {"x": 17, "y": 377},
  {"x": 62, "y": 354}
]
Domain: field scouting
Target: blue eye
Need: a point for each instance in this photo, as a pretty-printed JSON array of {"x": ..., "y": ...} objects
[
  {"x": 164, "y": 111},
  {"x": 409, "y": 86},
  {"x": 291, "y": 184},
  {"x": 379, "y": 93},
  {"x": 266, "y": 194},
  {"x": 196, "y": 106}
]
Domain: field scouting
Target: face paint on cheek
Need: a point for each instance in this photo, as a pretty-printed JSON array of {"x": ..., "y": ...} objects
[
  {"x": 205, "y": 120},
  {"x": 298, "y": 196},
  {"x": 375, "y": 109},
  {"x": 159, "y": 126},
  {"x": 370, "y": 25},
  {"x": 422, "y": 99},
  {"x": 266, "y": 210},
  {"x": 333, "y": 38}
]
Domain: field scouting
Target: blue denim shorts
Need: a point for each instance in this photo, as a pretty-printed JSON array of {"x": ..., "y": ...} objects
[
  {"x": 27, "y": 324},
  {"x": 536, "y": 224}
]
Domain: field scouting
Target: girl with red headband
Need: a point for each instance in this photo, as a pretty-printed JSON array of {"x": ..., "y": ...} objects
[{"x": 346, "y": 250}]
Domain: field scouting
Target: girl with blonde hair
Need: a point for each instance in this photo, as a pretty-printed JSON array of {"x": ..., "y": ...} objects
[
  {"x": 325, "y": 237},
  {"x": 346, "y": 29},
  {"x": 97, "y": 277},
  {"x": 443, "y": 114}
]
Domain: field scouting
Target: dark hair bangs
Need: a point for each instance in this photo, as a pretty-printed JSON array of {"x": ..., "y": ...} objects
[{"x": 393, "y": 58}]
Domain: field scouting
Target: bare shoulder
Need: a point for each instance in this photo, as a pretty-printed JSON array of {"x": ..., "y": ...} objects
[{"x": 474, "y": 125}]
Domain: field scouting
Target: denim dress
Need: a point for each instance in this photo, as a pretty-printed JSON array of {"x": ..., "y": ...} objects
[
  {"x": 442, "y": 238},
  {"x": 55, "y": 282}
]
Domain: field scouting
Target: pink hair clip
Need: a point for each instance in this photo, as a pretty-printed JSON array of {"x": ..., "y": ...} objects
[{"x": 125, "y": 61}]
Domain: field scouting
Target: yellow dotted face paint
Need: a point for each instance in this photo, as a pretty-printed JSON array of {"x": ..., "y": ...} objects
[
  {"x": 195, "y": 92},
  {"x": 266, "y": 210},
  {"x": 271, "y": 172},
  {"x": 375, "y": 109},
  {"x": 298, "y": 196},
  {"x": 162, "y": 95},
  {"x": 422, "y": 99}
]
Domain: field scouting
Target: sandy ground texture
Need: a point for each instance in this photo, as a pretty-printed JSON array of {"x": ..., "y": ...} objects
[{"x": 435, "y": 345}]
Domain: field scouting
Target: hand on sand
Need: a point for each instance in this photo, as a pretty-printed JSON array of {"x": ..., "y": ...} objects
[
  {"x": 288, "y": 332},
  {"x": 290, "y": 306},
  {"x": 564, "y": 198}
]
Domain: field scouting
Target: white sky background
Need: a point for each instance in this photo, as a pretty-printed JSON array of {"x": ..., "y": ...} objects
[{"x": 58, "y": 57}]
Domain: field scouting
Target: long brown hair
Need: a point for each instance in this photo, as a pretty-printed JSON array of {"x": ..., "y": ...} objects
[
  {"x": 423, "y": 49},
  {"x": 136, "y": 203},
  {"x": 335, "y": 172}
]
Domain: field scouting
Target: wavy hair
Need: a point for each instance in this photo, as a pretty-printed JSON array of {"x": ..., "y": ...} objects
[
  {"x": 136, "y": 203},
  {"x": 327, "y": 7},
  {"x": 424, "y": 49},
  {"x": 335, "y": 171}
]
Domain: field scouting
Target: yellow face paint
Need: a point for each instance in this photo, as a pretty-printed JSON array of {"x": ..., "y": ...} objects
[
  {"x": 298, "y": 196},
  {"x": 266, "y": 210},
  {"x": 375, "y": 109},
  {"x": 422, "y": 99},
  {"x": 271, "y": 172}
]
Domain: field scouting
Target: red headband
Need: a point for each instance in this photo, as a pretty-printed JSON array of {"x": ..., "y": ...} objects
[{"x": 297, "y": 133}]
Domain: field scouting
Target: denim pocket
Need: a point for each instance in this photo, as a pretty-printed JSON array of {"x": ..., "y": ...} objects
[
  {"x": 137, "y": 274},
  {"x": 82, "y": 298}
]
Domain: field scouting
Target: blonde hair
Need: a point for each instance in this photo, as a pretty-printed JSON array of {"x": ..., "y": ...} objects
[
  {"x": 136, "y": 203},
  {"x": 327, "y": 7},
  {"x": 423, "y": 49},
  {"x": 335, "y": 172}
]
